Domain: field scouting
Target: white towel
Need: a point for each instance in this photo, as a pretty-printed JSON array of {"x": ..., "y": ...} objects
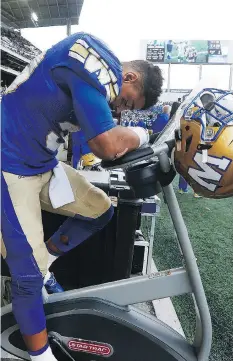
[{"x": 60, "y": 191}]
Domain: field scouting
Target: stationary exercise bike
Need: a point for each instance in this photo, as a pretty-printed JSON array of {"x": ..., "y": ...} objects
[{"x": 98, "y": 322}]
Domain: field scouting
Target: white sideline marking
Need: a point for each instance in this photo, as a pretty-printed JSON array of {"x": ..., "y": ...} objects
[{"x": 165, "y": 310}]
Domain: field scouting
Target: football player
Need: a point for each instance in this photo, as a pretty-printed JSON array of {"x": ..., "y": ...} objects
[{"x": 72, "y": 86}]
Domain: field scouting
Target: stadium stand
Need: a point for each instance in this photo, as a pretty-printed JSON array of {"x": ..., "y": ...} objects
[
  {"x": 16, "y": 53},
  {"x": 147, "y": 116},
  {"x": 12, "y": 40}
]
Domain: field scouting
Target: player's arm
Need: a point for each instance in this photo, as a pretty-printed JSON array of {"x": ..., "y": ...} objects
[
  {"x": 114, "y": 143},
  {"x": 106, "y": 140}
]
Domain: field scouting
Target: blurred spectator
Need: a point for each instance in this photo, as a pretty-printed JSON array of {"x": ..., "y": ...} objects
[
  {"x": 183, "y": 187},
  {"x": 147, "y": 116},
  {"x": 2, "y": 91},
  {"x": 161, "y": 119},
  {"x": 141, "y": 124},
  {"x": 174, "y": 108}
]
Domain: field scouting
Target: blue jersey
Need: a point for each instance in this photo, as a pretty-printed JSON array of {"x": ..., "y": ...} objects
[
  {"x": 67, "y": 88},
  {"x": 160, "y": 122},
  {"x": 141, "y": 124}
]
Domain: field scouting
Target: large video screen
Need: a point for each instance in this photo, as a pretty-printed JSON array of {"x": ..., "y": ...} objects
[{"x": 187, "y": 51}]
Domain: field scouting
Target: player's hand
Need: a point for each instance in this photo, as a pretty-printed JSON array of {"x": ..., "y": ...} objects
[{"x": 119, "y": 155}]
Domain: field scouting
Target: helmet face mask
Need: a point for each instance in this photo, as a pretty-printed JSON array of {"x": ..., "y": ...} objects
[
  {"x": 213, "y": 108},
  {"x": 204, "y": 152}
]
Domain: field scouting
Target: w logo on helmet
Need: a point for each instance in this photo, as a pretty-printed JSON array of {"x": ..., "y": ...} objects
[{"x": 207, "y": 176}]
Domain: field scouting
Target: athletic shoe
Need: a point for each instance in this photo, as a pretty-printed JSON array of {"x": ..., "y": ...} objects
[
  {"x": 181, "y": 191},
  {"x": 52, "y": 286},
  {"x": 196, "y": 195}
]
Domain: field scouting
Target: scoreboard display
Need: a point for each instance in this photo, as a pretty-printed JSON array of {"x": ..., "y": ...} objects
[
  {"x": 187, "y": 51},
  {"x": 214, "y": 47},
  {"x": 155, "y": 53}
]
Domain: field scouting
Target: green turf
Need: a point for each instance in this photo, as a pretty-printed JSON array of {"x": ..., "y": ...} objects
[{"x": 210, "y": 226}]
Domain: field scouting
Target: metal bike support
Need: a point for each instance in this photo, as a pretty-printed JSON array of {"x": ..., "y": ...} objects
[{"x": 204, "y": 346}]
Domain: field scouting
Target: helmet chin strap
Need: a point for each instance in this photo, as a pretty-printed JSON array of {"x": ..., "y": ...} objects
[
  {"x": 204, "y": 155},
  {"x": 207, "y": 99},
  {"x": 204, "y": 150}
]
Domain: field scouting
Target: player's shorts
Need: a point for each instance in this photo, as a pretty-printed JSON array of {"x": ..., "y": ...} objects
[{"x": 22, "y": 201}]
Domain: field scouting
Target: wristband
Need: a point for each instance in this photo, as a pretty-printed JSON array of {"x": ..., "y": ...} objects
[{"x": 142, "y": 134}]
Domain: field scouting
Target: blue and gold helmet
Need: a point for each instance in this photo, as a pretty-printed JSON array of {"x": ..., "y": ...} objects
[{"x": 204, "y": 143}]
